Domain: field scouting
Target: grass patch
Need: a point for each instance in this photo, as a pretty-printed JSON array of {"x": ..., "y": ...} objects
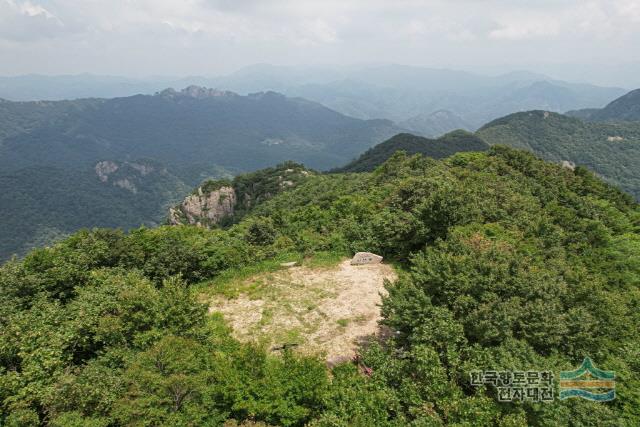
[
  {"x": 343, "y": 322},
  {"x": 267, "y": 317},
  {"x": 324, "y": 259},
  {"x": 293, "y": 336},
  {"x": 232, "y": 283}
]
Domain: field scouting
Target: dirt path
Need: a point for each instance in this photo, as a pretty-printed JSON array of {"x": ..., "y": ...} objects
[{"x": 326, "y": 311}]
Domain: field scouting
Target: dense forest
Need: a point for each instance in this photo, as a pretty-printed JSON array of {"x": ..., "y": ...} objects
[
  {"x": 40, "y": 204},
  {"x": 505, "y": 262}
]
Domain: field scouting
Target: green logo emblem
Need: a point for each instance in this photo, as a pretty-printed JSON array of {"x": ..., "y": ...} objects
[{"x": 588, "y": 382}]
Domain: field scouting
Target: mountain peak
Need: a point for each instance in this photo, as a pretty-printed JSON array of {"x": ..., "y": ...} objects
[
  {"x": 445, "y": 146},
  {"x": 632, "y": 97},
  {"x": 267, "y": 95},
  {"x": 198, "y": 92}
]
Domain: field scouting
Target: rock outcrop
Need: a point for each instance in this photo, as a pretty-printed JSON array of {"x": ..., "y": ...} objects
[
  {"x": 364, "y": 258},
  {"x": 104, "y": 169},
  {"x": 225, "y": 201},
  {"x": 131, "y": 176},
  {"x": 205, "y": 209},
  {"x": 126, "y": 184}
]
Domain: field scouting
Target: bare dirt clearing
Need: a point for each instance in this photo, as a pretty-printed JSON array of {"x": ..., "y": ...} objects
[{"x": 324, "y": 310}]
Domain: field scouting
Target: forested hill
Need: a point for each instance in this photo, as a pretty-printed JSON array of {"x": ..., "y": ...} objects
[
  {"x": 192, "y": 126},
  {"x": 507, "y": 263},
  {"x": 153, "y": 150},
  {"x": 625, "y": 108},
  {"x": 442, "y": 147},
  {"x": 612, "y": 150}
]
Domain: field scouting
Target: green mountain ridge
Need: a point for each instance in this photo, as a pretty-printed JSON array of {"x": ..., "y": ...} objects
[
  {"x": 177, "y": 128},
  {"x": 445, "y": 146},
  {"x": 625, "y": 108},
  {"x": 612, "y": 150}
]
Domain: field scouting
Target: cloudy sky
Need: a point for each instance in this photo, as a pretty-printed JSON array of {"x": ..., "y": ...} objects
[{"x": 210, "y": 37}]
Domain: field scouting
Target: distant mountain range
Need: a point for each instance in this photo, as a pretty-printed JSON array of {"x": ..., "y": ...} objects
[
  {"x": 192, "y": 126},
  {"x": 472, "y": 100},
  {"x": 120, "y": 162},
  {"x": 407, "y": 95},
  {"x": 434, "y": 124}
]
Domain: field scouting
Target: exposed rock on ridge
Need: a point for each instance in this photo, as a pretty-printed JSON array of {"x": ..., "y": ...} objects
[
  {"x": 197, "y": 92},
  {"x": 204, "y": 209},
  {"x": 223, "y": 202}
]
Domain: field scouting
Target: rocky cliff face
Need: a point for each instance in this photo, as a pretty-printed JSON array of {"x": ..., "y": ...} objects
[
  {"x": 205, "y": 209},
  {"x": 224, "y": 201}
]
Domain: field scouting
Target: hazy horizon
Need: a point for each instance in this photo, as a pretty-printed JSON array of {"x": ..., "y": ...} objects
[
  {"x": 627, "y": 77},
  {"x": 593, "y": 41}
]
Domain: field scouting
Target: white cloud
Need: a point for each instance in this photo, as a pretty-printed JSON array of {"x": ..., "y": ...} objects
[
  {"x": 30, "y": 9},
  {"x": 22, "y": 21},
  {"x": 630, "y": 9},
  {"x": 144, "y": 34},
  {"x": 519, "y": 30},
  {"x": 319, "y": 31}
]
